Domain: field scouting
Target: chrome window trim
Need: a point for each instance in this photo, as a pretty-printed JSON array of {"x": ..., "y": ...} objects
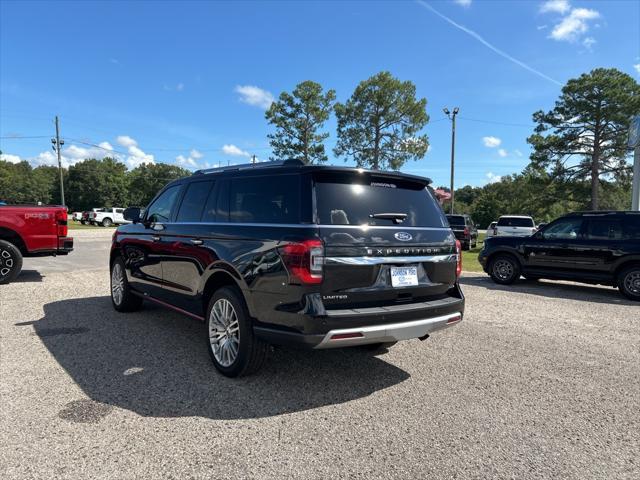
[
  {"x": 309, "y": 225},
  {"x": 449, "y": 257}
]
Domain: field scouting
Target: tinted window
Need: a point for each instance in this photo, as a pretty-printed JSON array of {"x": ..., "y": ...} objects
[
  {"x": 194, "y": 201},
  {"x": 515, "y": 222},
  {"x": 266, "y": 199},
  {"x": 631, "y": 227},
  {"x": 160, "y": 210},
  {"x": 604, "y": 229},
  {"x": 456, "y": 220},
  {"x": 565, "y": 229},
  {"x": 350, "y": 200}
]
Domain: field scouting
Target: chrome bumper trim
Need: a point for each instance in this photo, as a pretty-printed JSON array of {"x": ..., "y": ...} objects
[
  {"x": 391, "y": 332},
  {"x": 449, "y": 257}
]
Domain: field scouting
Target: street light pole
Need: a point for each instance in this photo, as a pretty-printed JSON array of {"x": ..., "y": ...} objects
[{"x": 452, "y": 117}]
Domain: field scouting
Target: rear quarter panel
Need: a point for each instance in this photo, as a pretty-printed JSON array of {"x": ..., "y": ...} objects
[{"x": 35, "y": 225}]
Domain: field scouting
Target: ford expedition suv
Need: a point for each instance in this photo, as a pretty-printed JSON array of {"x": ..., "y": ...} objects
[
  {"x": 589, "y": 247},
  {"x": 282, "y": 253},
  {"x": 30, "y": 231}
]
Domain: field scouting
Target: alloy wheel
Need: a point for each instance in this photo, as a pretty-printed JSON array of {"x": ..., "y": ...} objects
[
  {"x": 503, "y": 269},
  {"x": 224, "y": 332},
  {"x": 632, "y": 282},
  {"x": 6, "y": 263},
  {"x": 117, "y": 284}
]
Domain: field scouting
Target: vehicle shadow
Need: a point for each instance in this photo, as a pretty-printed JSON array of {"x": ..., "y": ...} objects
[
  {"x": 554, "y": 289},
  {"x": 155, "y": 363},
  {"x": 28, "y": 276}
]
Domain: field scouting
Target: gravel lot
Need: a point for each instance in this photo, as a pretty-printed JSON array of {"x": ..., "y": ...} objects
[{"x": 540, "y": 380}]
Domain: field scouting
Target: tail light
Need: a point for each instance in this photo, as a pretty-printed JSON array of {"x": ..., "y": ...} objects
[
  {"x": 466, "y": 231},
  {"x": 303, "y": 261},
  {"x": 61, "y": 222},
  {"x": 459, "y": 254}
]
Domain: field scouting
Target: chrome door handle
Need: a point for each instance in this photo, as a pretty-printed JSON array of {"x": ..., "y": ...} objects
[{"x": 196, "y": 241}]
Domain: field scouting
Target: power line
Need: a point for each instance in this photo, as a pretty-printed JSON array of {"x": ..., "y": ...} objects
[
  {"x": 20, "y": 137},
  {"x": 493, "y": 122}
]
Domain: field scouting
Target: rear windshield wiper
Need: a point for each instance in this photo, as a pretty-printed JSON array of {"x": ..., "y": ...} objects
[{"x": 396, "y": 217}]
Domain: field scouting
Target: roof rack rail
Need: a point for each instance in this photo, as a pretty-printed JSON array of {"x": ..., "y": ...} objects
[{"x": 293, "y": 162}]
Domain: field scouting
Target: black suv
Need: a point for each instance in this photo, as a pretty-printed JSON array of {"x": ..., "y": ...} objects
[
  {"x": 589, "y": 247},
  {"x": 282, "y": 253},
  {"x": 464, "y": 229}
]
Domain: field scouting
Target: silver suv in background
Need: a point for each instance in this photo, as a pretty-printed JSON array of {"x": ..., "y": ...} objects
[{"x": 514, "y": 226}]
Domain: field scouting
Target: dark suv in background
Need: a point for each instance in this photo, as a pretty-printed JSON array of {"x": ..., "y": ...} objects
[
  {"x": 464, "y": 229},
  {"x": 281, "y": 253},
  {"x": 589, "y": 247}
]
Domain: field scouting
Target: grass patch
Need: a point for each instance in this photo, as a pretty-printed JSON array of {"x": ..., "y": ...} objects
[
  {"x": 78, "y": 226},
  {"x": 470, "y": 257}
]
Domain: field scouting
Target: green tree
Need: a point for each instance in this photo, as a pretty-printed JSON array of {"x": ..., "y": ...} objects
[
  {"x": 147, "y": 179},
  {"x": 97, "y": 183},
  {"x": 298, "y": 116},
  {"x": 583, "y": 137},
  {"x": 378, "y": 126}
]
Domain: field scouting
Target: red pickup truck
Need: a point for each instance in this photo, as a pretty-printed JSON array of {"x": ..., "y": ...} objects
[{"x": 30, "y": 231}]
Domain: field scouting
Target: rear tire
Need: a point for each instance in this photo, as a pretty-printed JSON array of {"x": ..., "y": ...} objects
[
  {"x": 122, "y": 298},
  {"x": 234, "y": 349},
  {"x": 107, "y": 222},
  {"x": 629, "y": 282},
  {"x": 504, "y": 269},
  {"x": 10, "y": 262}
]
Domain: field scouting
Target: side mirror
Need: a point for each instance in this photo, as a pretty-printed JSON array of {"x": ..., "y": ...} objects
[{"x": 132, "y": 214}]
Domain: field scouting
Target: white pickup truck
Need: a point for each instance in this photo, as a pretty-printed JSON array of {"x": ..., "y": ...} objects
[
  {"x": 107, "y": 217},
  {"x": 514, "y": 226}
]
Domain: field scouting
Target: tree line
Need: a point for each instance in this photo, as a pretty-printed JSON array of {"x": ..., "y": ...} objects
[{"x": 88, "y": 184}]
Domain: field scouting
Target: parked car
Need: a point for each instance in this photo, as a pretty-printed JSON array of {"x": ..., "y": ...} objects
[
  {"x": 76, "y": 216},
  {"x": 283, "y": 253},
  {"x": 514, "y": 226},
  {"x": 107, "y": 217},
  {"x": 84, "y": 219},
  {"x": 464, "y": 229},
  {"x": 491, "y": 229},
  {"x": 30, "y": 231},
  {"x": 589, "y": 247}
]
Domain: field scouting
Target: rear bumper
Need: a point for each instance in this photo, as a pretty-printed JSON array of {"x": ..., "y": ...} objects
[
  {"x": 65, "y": 245},
  {"x": 367, "y": 325}
]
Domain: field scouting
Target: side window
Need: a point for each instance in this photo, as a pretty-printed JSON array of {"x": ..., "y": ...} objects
[
  {"x": 160, "y": 210},
  {"x": 566, "y": 229},
  {"x": 631, "y": 227},
  {"x": 604, "y": 229},
  {"x": 119, "y": 210},
  {"x": 194, "y": 201},
  {"x": 273, "y": 199}
]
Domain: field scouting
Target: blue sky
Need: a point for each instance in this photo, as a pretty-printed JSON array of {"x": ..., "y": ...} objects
[{"x": 188, "y": 82}]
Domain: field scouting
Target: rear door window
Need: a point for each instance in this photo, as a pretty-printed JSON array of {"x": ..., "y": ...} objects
[
  {"x": 355, "y": 200},
  {"x": 631, "y": 227},
  {"x": 604, "y": 229},
  {"x": 265, "y": 199},
  {"x": 194, "y": 201},
  {"x": 515, "y": 222}
]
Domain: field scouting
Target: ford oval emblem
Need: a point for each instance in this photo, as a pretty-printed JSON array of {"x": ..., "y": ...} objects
[{"x": 403, "y": 236}]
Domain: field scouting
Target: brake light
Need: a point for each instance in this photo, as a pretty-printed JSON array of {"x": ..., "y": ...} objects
[
  {"x": 61, "y": 222},
  {"x": 303, "y": 261},
  {"x": 459, "y": 254}
]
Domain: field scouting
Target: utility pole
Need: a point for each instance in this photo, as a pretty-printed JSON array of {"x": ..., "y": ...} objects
[
  {"x": 253, "y": 159},
  {"x": 634, "y": 143},
  {"x": 57, "y": 146},
  {"x": 452, "y": 117}
]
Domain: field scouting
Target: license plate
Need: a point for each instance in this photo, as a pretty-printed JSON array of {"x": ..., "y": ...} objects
[{"x": 404, "y": 276}]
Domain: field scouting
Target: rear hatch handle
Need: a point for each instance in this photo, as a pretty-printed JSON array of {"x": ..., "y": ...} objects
[{"x": 396, "y": 217}]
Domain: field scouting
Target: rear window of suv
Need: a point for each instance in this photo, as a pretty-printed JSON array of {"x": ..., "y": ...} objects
[
  {"x": 457, "y": 220},
  {"x": 515, "y": 222},
  {"x": 351, "y": 199}
]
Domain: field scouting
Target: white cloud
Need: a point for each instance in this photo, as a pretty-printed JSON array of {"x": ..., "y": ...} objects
[
  {"x": 196, "y": 154},
  {"x": 637, "y": 68},
  {"x": 491, "y": 142},
  {"x": 234, "y": 151},
  {"x": 136, "y": 155},
  {"x": 126, "y": 141},
  {"x": 573, "y": 25},
  {"x": 502, "y": 152},
  {"x": 517, "y": 153},
  {"x": 255, "y": 96},
  {"x": 492, "y": 177},
  {"x": 7, "y": 157},
  {"x": 557, "y": 6},
  {"x": 589, "y": 42},
  {"x": 464, "y": 3},
  {"x": 186, "y": 161}
]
